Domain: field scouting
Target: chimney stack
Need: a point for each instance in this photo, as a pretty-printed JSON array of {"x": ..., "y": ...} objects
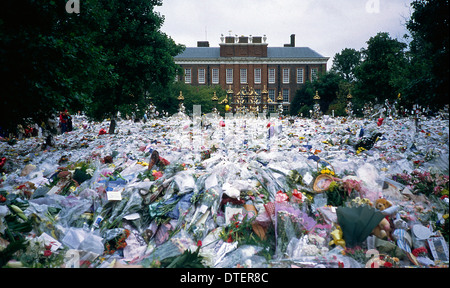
[
  {"x": 202, "y": 44},
  {"x": 292, "y": 44}
]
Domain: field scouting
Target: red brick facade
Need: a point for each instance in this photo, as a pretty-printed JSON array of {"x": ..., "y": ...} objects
[{"x": 277, "y": 68}]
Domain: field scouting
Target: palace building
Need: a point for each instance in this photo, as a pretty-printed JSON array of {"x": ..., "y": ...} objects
[{"x": 248, "y": 63}]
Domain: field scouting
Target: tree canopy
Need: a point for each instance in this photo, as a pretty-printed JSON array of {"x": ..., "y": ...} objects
[
  {"x": 141, "y": 57},
  {"x": 105, "y": 59},
  {"x": 48, "y": 59},
  {"x": 388, "y": 68}
]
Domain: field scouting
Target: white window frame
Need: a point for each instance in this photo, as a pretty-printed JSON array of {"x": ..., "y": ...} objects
[
  {"x": 314, "y": 74},
  {"x": 188, "y": 76},
  {"x": 300, "y": 76},
  {"x": 229, "y": 76},
  {"x": 285, "y": 95},
  {"x": 258, "y": 76},
  {"x": 215, "y": 76},
  {"x": 286, "y": 75},
  {"x": 243, "y": 76},
  {"x": 271, "y": 75},
  {"x": 201, "y": 76}
]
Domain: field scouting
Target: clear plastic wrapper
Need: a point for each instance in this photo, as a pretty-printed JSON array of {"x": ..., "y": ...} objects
[
  {"x": 242, "y": 256},
  {"x": 245, "y": 165}
]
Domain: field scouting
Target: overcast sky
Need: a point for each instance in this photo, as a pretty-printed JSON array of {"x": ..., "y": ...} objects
[{"x": 326, "y": 26}]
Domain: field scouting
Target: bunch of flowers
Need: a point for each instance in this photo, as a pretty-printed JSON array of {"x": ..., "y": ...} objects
[
  {"x": 281, "y": 197},
  {"x": 351, "y": 185},
  {"x": 340, "y": 191},
  {"x": 359, "y": 150},
  {"x": 151, "y": 175},
  {"x": 387, "y": 261},
  {"x": 357, "y": 253},
  {"x": 82, "y": 171},
  {"x": 117, "y": 243},
  {"x": 327, "y": 170},
  {"x": 424, "y": 182},
  {"x": 239, "y": 229},
  {"x": 421, "y": 251},
  {"x": 39, "y": 255}
]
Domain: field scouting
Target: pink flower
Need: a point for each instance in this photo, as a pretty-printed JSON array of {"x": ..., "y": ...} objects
[
  {"x": 351, "y": 185},
  {"x": 157, "y": 174},
  {"x": 281, "y": 197},
  {"x": 437, "y": 189}
]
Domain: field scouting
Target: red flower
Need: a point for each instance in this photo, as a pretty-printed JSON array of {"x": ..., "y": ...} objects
[
  {"x": 387, "y": 264},
  {"x": 164, "y": 162},
  {"x": 340, "y": 264},
  {"x": 298, "y": 197},
  {"x": 199, "y": 243},
  {"x": 419, "y": 251},
  {"x": 47, "y": 253}
]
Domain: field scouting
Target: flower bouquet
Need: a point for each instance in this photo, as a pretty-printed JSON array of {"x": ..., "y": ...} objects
[
  {"x": 38, "y": 254},
  {"x": 424, "y": 182},
  {"x": 208, "y": 199},
  {"x": 290, "y": 222},
  {"x": 116, "y": 241}
]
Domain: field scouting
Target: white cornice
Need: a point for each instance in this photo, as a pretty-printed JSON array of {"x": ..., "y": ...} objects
[{"x": 252, "y": 61}]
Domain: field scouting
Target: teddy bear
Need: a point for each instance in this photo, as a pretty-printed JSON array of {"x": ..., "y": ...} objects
[
  {"x": 383, "y": 229},
  {"x": 382, "y": 204}
]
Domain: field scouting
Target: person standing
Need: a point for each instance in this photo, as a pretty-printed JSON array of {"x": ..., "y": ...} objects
[
  {"x": 69, "y": 121},
  {"x": 63, "y": 121}
]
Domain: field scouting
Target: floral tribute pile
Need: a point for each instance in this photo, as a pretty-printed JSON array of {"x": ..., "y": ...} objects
[{"x": 246, "y": 193}]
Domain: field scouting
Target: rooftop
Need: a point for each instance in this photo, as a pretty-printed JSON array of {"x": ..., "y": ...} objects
[{"x": 272, "y": 52}]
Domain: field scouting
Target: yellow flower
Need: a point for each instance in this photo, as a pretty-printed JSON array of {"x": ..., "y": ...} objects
[{"x": 445, "y": 216}]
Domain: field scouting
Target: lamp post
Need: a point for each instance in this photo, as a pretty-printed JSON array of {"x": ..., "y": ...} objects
[
  {"x": 316, "y": 107},
  {"x": 264, "y": 100},
  {"x": 280, "y": 104},
  {"x": 181, "y": 108},
  {"x": 215, "y": 100}
]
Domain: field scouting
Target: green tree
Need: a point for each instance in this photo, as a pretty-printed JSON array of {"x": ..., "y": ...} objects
[
  {"x": 48, "y": 59},
  {"x": 346, "y": 62},
  {"x": 327, "y": 86},
  {"x": 141, "y": 57},
  {"x": 193, "y": 95},
  {"x": 429, "y": 75},
  {"x": 381, "y": 74},
  {"x": 303, "y": 100}
]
